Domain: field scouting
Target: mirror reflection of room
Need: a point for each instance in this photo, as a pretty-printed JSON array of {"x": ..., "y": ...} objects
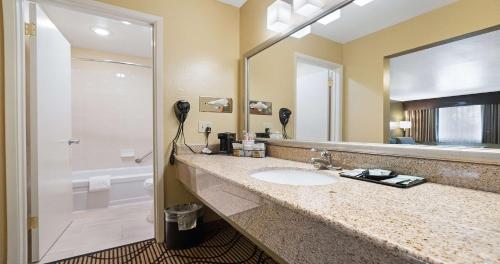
[
  {"x": 448, "y": 94},
  {"x": 372, "y": 73}
]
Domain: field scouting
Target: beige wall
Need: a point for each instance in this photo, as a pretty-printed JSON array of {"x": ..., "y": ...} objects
[
  {"x": 272, "y": 77},
  {"x": 396, "y": 114},
  {"x": 364, "y": 60},
  {"x": 3, "y": 217},
  {"x": 109, "y": 113},
  {"x": 252, "y": 24},
  {"x": 200, "y": 58}
]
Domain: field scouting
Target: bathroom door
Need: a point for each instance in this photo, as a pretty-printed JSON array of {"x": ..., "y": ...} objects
[
  {"x": 313, "y": 102},
  {"x": 49, "y": 118}
]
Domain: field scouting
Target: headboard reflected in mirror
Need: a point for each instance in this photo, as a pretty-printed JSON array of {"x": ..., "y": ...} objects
[{"x": 382, "y": 71}]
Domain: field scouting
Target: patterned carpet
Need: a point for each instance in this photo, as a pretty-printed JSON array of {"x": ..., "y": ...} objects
[{"x": 222, "y": 244}]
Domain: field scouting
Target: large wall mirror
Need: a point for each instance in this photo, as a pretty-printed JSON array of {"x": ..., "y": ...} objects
[{"x": 421, "y": 72}]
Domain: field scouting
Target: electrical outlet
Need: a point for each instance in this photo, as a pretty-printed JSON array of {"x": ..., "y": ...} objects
[{"x": 202, "y": 125}]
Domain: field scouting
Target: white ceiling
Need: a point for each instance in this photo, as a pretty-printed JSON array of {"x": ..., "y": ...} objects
[
  {"x": 77, "y": 27},
  {"x": 237, "y": 3},
  {"x": 467, "y": 66},
  {"x": 357, "y": 21}
]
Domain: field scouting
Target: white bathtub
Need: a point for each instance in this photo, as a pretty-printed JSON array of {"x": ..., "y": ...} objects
[{"x": 126, "y": 187}]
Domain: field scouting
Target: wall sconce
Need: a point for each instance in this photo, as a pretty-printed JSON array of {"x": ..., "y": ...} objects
[
  {"x": 302, "y": 33},
  {"x": 279, "y": 16},
  {"x": 307, "y": 7},
  {"x": 404, "y": 125}
]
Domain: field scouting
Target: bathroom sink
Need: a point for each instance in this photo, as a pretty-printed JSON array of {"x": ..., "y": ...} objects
[{"x": 291, "y": 176}]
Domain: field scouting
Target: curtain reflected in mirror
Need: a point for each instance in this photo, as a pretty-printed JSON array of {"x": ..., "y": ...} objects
[
  {"x": 491, "y": 124},
  {"x": 423, "y": 126}
]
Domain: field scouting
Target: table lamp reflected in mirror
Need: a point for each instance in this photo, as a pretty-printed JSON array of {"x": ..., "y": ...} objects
[{"x": 404, "y": 125}]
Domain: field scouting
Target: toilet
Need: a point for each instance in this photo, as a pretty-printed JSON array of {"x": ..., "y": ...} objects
[{"x": 149, "y": 188}]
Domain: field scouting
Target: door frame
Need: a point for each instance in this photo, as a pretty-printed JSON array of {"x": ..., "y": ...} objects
[
  {"x": 16, "y": 156},
  {"x": 336, "y": 93}
]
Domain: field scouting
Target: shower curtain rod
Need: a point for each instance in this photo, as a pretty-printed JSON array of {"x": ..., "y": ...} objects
[{"x": 112, "y": 61}]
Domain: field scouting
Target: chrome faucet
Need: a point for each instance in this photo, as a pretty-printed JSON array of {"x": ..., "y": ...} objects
[{"x": 325, "y": 161}]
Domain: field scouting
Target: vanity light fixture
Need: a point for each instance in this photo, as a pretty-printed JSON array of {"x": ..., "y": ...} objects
[
  {"x": 279, "y": 16},
  {"x": 330, "y": 17},
  {"x": 307, "y": 7},
  {"x": 126, "y": 23},
  {"x": 100, "y": 31},
  {"x": 120, "y": 75},
  {"x": 302, "y": 33},
  {"x": 362, "y": 2}
]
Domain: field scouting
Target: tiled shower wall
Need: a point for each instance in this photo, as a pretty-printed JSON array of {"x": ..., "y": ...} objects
[{"x": 112, "y": 110}]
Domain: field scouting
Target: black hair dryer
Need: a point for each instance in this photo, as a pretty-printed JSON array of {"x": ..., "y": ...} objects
[
  {"x": 181, "y": 109},
  {"x": 284, "y": 115}
]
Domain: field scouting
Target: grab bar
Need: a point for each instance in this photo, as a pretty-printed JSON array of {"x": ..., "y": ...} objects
[{"x": 139, "y": 160}]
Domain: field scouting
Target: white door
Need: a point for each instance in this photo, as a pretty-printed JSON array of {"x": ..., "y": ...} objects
[
  {"x": 49, "y": 110},
  {"x": 313, "y": 103}
]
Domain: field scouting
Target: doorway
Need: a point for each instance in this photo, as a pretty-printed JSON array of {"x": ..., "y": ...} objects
[
  {"x": 318, "y": 91},
  {"x": 90, "y": 132},
  {"x": 43, "y": 193}
]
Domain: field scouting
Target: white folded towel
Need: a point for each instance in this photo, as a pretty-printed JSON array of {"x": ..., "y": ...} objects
[{"x": 99, "y": 183}]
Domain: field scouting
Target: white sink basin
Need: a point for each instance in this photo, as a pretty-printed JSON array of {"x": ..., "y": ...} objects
[{"x": 293, "y": 176}]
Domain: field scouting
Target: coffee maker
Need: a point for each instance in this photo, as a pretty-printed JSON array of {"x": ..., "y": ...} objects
[{"x": 226, "y": 142}]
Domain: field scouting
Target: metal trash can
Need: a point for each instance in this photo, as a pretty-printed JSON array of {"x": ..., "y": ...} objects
[{"x": 183, "y": 226}]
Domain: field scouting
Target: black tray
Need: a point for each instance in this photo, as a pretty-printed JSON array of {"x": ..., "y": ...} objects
[
  {"x": 414, "y": 183},
  {"x": 379, "y": 178}
]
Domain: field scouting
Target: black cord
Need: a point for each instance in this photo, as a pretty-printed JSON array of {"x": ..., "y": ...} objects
[
  {"x": 174, "y": 146},
  {"x": 179, "y": 134},
  {"x": 184, "y": 139},
  {"x": 208, "y": 130},
  {"x": 283, "y": 131}
]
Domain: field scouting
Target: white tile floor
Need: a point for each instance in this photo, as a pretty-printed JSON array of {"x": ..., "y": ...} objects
[{"x": 103, "y": 228}]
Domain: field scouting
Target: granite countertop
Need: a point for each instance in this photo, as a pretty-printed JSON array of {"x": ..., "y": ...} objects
[{"x": 431, "y": 222}]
